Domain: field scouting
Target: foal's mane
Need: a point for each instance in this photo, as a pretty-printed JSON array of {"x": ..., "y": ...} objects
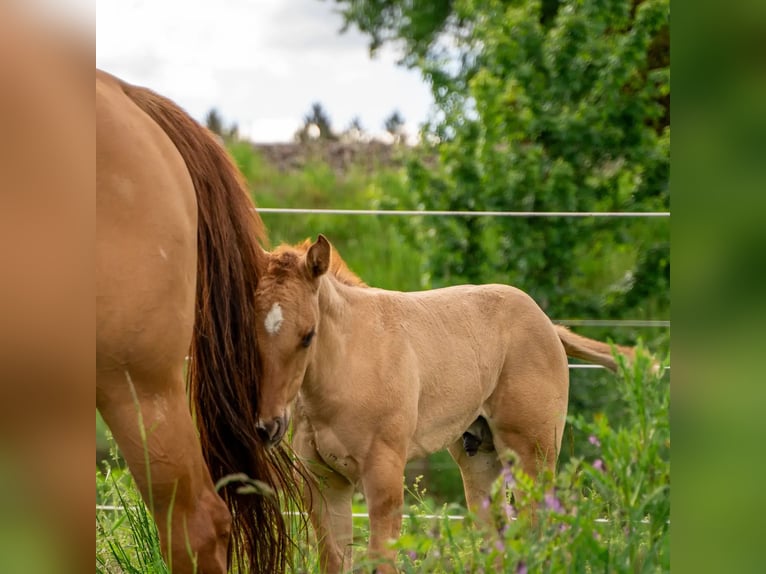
[{"x": 286, "y": 254}]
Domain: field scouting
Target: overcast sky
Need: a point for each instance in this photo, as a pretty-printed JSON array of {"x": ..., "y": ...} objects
[{"x": 262, "y": 63}]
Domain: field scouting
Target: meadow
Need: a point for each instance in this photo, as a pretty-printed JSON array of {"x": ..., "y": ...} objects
[{"x": 606, "y": 510}]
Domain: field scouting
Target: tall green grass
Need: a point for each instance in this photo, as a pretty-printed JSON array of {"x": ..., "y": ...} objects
[
  {"x": 126, "y": 535},
  {"x": 374, "y": 247},
  {"x": 607, "y": 511}
]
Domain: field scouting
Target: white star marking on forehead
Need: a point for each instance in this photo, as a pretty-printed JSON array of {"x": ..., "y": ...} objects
[{"x": 273, "y": 320}]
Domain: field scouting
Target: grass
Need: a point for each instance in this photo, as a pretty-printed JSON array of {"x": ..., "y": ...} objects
[
  {"x": 624, "y": 478},
  {"x": 126, "y": 535}
]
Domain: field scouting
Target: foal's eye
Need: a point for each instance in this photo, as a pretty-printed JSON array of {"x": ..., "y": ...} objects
[{"x": 306, "y": 340}]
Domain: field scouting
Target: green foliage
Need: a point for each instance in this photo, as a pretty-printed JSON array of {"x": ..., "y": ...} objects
[
  {"x": 415, "y": 24},
  {"x": 542, "y": 106},
  {"x": 374, "y": 247}
]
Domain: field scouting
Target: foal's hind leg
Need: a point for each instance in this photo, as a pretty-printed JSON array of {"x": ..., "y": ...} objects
[
  {"x": 192, "y": 520},
  {"x": 479, "y": 472},
  {"x": 527, "y": 413}
]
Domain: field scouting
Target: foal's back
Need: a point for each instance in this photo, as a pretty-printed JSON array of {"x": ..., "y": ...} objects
[{"x": 446, "y": 355}]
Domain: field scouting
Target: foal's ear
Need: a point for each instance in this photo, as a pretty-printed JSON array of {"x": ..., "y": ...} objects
[{"x": 318, "y": 257}]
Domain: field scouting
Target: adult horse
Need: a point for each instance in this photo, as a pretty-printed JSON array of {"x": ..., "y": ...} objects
[
  {"x": 178, "y": 264},
  {"x": 384, "y": 376}
]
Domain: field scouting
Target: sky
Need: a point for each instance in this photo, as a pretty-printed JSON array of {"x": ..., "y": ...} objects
[{"x": 261, "y": 63}]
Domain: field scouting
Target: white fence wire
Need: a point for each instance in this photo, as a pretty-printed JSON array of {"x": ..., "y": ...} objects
[
  {"x": 442, "y": 213},
  {"x": 111, "y": 508}
]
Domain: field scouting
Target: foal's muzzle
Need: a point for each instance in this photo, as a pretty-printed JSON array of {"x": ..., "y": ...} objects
[{"x": 271, "y": 432}]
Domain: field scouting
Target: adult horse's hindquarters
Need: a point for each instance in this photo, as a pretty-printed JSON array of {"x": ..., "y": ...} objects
[{"x": 177, "y": 265}]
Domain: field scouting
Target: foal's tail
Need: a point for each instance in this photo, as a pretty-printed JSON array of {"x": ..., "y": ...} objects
[
  {"x": 225, "y": 368},
  {"x": 579, "y": 347}
]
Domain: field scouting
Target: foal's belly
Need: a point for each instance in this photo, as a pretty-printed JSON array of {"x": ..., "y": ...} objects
[{"x": 437, "y": 430}]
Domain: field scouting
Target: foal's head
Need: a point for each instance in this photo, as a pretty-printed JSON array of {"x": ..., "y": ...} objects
[{"x": 287, "y": 309}]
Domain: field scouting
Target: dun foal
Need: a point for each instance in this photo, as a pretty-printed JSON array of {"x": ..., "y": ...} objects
[{"x": 382, "y": 377}]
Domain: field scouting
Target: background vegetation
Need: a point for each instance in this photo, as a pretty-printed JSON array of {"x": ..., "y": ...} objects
[{"x": 541, "y": 105}]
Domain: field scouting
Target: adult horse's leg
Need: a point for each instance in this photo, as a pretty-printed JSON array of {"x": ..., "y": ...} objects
[
  {"x": 150, "y": 419},
  {"x": 330, "y": 498},
  {"x": 146, "y": 259},
  {"x": 382, "y": 480}
]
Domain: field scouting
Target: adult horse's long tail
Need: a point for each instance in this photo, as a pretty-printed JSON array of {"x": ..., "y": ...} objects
[
  {"x": 579, "y": 347},
  {"x": 225, "y": 368}
]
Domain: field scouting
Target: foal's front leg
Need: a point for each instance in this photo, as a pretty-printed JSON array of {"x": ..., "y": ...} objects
[
  {"x": 382, "y": 480},
  {"x": 330, "y": 499}
]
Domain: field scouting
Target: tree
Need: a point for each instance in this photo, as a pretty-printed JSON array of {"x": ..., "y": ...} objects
[
  {"x": 214, "y": 122},
  {"x": 316, "y": 125},
  {"x": 394, "y": 125},
  {"x": 546, "y": 106},
  {"x": 355, "y": 132}
]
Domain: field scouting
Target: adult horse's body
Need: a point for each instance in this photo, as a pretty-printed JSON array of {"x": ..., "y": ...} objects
[
  {"x": 177, "y": 265},
  {"x": 382, "y": 377}
]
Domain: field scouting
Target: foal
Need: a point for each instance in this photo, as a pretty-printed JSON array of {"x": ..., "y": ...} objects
[{"x": 382, "y": 377}]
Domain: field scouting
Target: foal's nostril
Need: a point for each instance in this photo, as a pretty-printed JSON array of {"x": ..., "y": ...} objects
[
  {"x": 270, "y": 432},
  {"x": 263, "y": 434}
]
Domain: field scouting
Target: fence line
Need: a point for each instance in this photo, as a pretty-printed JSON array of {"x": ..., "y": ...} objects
[
  {"x": 582, "y": 366},
  {"x": 367, "y": 516},
  {"x": 612, "y": 323},
  {"x": 571, "y": 365},
  {"x": 441, "y": 213}
]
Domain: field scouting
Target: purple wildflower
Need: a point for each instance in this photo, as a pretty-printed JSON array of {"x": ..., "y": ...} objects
[
  {"x": 553, "y": 503},
  {"x": 508, "y": 477},
  {"x": 510, "y": 512},
  {"x": 598, "y": 464},
  {"x": 485, "y": 503},
  {"x": 412, "y": 554},
  {"x": 499, "y": 546},
  {"x": 521, "y": 568},
  {"x": 594, "y": 441}
]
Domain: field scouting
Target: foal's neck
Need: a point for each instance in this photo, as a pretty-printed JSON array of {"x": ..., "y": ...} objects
[
  {"x": 333, "y": 298},
  {"x": 334, "y": 310}
]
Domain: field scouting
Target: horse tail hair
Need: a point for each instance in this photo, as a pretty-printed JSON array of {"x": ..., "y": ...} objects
[
  {"x": 225, "y": 369},
  {"x": 579, "y": 347}
]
